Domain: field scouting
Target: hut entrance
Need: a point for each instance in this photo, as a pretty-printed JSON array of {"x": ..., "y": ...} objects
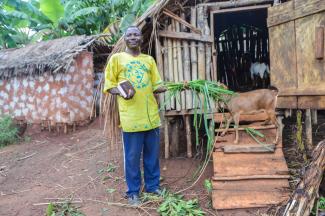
[{"x": 241, "y": 43}]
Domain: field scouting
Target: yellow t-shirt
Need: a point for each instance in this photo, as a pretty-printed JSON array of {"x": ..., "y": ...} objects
[{"x": 141, "y": 112}]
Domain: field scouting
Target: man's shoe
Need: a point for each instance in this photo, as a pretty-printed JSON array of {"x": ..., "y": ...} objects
[{"x": 134, "y": 200}]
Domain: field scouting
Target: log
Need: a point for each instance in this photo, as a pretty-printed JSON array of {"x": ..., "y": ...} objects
[
  {"x": 303, "y": 198},
  {"x": 170, "y": 65},
  {"x": 187, "y": 69},
  {"x": 319, "y": 42},
  {"x": 180, "y": 66},
  {"x": 201, "y": 46},
  {"x": 175, "y": 65},
  {"x": 194, "y": 67}
]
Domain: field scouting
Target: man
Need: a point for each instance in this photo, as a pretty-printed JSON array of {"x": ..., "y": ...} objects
[{"x": 139, "y": 113}]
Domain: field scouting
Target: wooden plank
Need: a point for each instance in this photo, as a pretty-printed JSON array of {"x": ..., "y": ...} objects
[
  {"x": 170, "y": 65},
  {"x": 252, "y": 177},
  {"x": 287, "y": 102},
  {"x": 186, "y": 36},
  {"x": 188, "y": 136},
  {"x": 194, "y": 66},
  {"x": 310, "y": 72},
  {"x": 280, "y": 13},
  {"x": 308, "y": 91},
  {"x": 289, "y": 11},
  {"x": 250, "y": 148},
  {"x": 166, "y": 133},
  {"x": 256, "y": 127},
  {"x": 175, "y": 65},
  {"x": 249, "y": 193},
  {"x": 311, "y": 102},
  {"x": 230, "y": 4},
  {"x": 180, "y": 67},
  {"x": 283, "y": 61},
  {"x": 247, "y": 8},
  {"x": 219, "y": 117},
  {"x": 179, "y": 19},
  {"x": 228, "y": 165}
]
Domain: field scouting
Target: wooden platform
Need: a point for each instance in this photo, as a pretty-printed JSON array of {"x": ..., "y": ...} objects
[{"x": 248, "y": 174}]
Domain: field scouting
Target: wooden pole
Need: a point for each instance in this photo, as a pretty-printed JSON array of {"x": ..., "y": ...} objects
[
  {"x": 194, "y": 65},
  {"x": 166, "y": 71},
  {"x": 166, "y": 138},
  {"x": 314, "y": 116},
  {"x": 187, "y": 69},
  {"x": 201, "y": 46},
  {"x": 208, "y": 47},
  {"x": 309, "y": 132},
  {"x": 175, "y": 65},
  {"x": 188, "y": 136},
  {"x": 170, "y": 65},
  {"x": 160, "y": 64},
  {"x": 180, "y": 66}
]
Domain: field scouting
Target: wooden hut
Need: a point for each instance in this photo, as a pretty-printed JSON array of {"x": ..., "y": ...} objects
[
  {"x": 50, "y": 83},
  {"x": 221, "y": 40}
]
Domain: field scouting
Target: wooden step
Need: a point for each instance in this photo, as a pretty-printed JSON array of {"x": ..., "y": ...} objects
[
  {"x": 249, "y": 193},
  {"x": 249, "y": 164},
  {"x": 249, "y": 148},
  {"x": 219, "y": 117},
  {"x": 246, "y": 139}
]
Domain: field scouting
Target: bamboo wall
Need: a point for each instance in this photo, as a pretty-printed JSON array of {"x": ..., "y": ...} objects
[{"x": 185, "y": 47}]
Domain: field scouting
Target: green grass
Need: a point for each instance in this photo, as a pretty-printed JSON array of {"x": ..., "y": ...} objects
[
  {"x": 8, "y": 131},
  {"x": 319, "y": 206}
]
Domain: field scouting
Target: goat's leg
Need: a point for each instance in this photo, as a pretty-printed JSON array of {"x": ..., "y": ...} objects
[
  {"x": 227, "y": 127},
  {"x": 272, "y": 116},
  {"x": 236, "y": 120}
]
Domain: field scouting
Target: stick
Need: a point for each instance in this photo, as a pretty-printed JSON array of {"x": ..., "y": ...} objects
[
  {"x": 179, "y": 19},
  {"x": 58, "y": 202},
  {"x": 28, "y": 156}
]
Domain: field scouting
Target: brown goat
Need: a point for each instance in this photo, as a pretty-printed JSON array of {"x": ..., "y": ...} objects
[{"x": 252, "y": 102}]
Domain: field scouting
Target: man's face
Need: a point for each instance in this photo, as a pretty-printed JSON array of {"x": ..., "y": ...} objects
[{"x": 133, "y": 38}]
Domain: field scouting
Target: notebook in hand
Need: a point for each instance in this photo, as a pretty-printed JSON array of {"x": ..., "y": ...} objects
[{"x": 125, "y": 87}]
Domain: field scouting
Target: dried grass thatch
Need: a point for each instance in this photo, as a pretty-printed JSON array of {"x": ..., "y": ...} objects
[{"x": 54, "y": 56}]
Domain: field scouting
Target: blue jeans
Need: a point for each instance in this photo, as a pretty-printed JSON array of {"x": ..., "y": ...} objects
[{"x": 147, "y": 143}]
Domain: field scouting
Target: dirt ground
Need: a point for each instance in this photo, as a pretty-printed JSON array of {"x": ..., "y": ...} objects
[{"x": 52, "y": 167}]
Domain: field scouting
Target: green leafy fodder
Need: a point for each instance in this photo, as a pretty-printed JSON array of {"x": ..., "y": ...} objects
[
  {"x": 62, "y": 209},
  {"x": 175, "y": 205},
  {"x": 8, "y": 131},
  {"x": 319, "y": 206}
]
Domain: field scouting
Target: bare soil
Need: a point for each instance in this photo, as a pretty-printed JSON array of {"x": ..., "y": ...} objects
[{"x": 52, "y": 167}]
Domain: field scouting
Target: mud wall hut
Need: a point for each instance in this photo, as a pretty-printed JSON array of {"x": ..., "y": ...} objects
[{"x": 49, "y": 83}]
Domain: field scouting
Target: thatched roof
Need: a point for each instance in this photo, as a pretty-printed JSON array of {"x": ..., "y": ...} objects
[{"x": 54, "y": 56}]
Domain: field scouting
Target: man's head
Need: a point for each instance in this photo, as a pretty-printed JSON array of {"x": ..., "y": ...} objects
[{"x": 133, "y": 37}]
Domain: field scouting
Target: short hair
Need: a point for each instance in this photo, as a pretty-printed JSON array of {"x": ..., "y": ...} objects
[{"x": 133, "y": 26}]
